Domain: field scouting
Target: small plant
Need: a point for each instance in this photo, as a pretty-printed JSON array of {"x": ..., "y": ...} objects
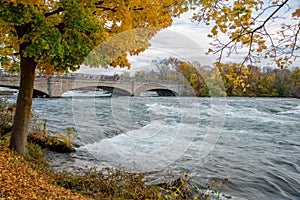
[
  {"x": 37, "y": 125},
  {"x": 67, "y": 139},
  {"x": 4, "y": 141},
  {"x": 182, "y": 188},
  {"x": 179, "y": 188},
  {"x": 34, "y": 151},
  {"x": 213, "y": 190},
  {"x": 58, "y": 142},
  {"x": 7, "y": 111}
]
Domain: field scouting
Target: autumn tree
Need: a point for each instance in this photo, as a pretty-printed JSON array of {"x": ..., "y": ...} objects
[
  {"x": 189, "y": 73},
  {"x": 268, "y": 29},
  {"x": 295, "y": 83},
  {"x": 163, "y": 67},
  {"x": 235, "y": 78},
  {"x": 58, "y": 35}
]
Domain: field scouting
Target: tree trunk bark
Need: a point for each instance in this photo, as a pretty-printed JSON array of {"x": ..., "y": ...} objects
[{"x": 22, "y": 116}]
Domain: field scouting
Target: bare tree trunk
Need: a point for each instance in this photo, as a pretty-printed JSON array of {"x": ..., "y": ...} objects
[{"x": 22, "y": 116}]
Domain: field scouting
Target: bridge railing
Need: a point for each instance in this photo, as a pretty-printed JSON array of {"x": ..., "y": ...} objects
[{"x": 80, "y": 76}]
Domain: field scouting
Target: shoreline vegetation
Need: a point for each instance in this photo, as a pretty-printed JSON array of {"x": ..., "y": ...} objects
[
  {"x": 32, "y": 177},
  {"x": 229, "y": 80}
]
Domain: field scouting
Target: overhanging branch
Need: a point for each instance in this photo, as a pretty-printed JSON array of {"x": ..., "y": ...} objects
[{"x": 57, "y": 11}]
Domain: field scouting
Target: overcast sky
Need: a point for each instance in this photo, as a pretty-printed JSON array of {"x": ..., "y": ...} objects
[{"x": 185, "y": 39}]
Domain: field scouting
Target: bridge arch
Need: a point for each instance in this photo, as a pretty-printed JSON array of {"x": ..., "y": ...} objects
[
  {"x": 39, "y": 94},
  {"x": 116, "y": 90},
  {"x": 36, "y": 92},
  {"x": 161, "y": 90},
  {"x": 113, "y": 90},
  {"x": 10, "y": 87}
]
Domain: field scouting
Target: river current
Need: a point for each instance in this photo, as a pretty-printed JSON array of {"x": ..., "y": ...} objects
[{"x": 254, "y": 142}]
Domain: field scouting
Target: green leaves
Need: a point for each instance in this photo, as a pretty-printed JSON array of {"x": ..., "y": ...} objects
[
  {"x": 15, "y": 14},
  {"x": 58, "y": 35}
]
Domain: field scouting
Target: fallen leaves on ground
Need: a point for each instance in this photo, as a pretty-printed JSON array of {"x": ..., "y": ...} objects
[{"x": 19, "y": 181}]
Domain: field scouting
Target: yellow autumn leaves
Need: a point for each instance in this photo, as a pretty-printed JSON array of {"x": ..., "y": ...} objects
[
  {"x": 61, "y": 33},
  {"x": 250, "y": 23},
  {"x": 236, "y": 76}
]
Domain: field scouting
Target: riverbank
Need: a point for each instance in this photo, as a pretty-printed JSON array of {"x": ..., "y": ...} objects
[
  {"x": 32, "y": 178},
  {"x": 6, "y": 92},
  {"x": 18, "y": 180}
]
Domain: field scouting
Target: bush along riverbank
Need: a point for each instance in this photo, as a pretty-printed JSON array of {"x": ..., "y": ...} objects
[
  {"x": 32, "y": 178},
  {"x": 38, "y": 133},
  {"x": 59, "y": 142}
]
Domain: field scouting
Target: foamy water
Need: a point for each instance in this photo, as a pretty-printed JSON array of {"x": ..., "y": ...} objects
[{"x": 255, "y": 142}]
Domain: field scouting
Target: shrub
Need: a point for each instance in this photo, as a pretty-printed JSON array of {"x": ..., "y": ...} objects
[
  {"x": 36, "y": 157},
  {"x": 176, "y": 188},
  {"x": 40, "y": 135},
  {"x": 49, "y": 142},
  {"x": 7, "y": 111},
  {"x": 107, "y": 183},
  {"x": 67, "y": 139},
  {"x": 37, "y": 125}
]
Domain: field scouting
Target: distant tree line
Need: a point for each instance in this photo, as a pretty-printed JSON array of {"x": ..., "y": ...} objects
[{"x": 226, "y": 79}]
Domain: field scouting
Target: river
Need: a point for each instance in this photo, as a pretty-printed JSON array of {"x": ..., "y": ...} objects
[{"x": 254, "y": 142}]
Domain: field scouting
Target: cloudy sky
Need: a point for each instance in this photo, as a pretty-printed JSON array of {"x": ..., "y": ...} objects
[{"x": 186, "y": 40}]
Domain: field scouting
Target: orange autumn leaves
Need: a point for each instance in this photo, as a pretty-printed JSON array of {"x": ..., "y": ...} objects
[
  {"x": 19, "y": 181},
  {"x": 63, "y": 33}
]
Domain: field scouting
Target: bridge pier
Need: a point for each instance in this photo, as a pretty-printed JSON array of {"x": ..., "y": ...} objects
[{"x": 55, "y": 87}]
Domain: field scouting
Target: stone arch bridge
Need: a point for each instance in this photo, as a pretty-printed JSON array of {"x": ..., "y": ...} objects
[{"x": 51, "y": 86}]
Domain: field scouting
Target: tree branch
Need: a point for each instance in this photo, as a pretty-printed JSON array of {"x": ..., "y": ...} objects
[
  {"x": 114, "y": 9},
  {"x": 270, "y": 16},
  {"x": 295, "y": 41},
  {"x": 244, "y": 32},
  {"x": 57, "y": 11},
  {"x": 106, "y": 8},
  {"x": 60, "y": 27}
]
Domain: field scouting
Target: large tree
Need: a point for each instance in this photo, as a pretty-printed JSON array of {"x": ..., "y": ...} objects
[{"x": 58, "y": 35}]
